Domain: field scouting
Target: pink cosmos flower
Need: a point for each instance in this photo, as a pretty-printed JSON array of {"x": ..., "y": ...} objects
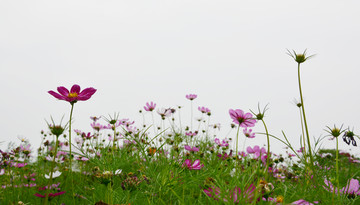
[
  {"x": 50, "y": 194},
  {"x": 191, "y": 149},
  {"x": 223, "y": 143},
  {"x": 303, "y": 202},
  {"x": 74, "y": 94},
  {"x": 97, "y": 126},
  {"x": 241, "y": 118},
  {"x": 193, "y": 166},
  {"x": 352, "y": 188},
  {"x": 150, "y": 107},
  {"x": 257, "y": 152},
  {"x": 248, "y": 133},
  {"x": 235, "y": 195},
  {"x": 191, "y": 96},
  {"x": 224, "y": 156},
  {"x": 191, "y": 133},
  {"x": 204, "y": 110},
  {"x": 163, "y": 112}
]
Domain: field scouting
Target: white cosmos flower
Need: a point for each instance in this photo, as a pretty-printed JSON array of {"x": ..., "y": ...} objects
[{"x": 55, "y": 174}]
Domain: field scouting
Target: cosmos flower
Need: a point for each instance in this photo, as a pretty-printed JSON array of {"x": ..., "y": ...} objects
[
  {"x": 50, "y": 194},
  {"x": 223, "y": 143},
  {"x": 248, "y": 133},
  {"x": 204, "y": 110},
  {"x": 352, "y": 188},
  {"x": 257, "y": 152},
  {"x": 241, "y": 118},
  {"x": 55, "y": 174},
  {"x": 191, "y": 133},
  {"x": 235, "y": 195},
  {"x": 191, "y": 149},
  {"x": 193, "y": 166},
  {"x": 150, "y": 107},
  {"x": 163, "y": 112},
  {"x": 303, "y": 202},
  {"x": 191, "y": 96},
  {"x": 74, "y": 94}
]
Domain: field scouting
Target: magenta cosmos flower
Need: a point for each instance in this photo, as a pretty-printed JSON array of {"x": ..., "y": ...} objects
[
  {"x": 74, "y": 94},
  {"x": 50, "y": 194},
  {"x": 150, "y": 106},
  {"x": 191, "y": 96},
  {"x": 241, "y": 118},
  {"x": 204, "y": 110},
  {"x": 191, "y": 149},
  {"x": 196, "y": 165},
  {"x": 235, "y": 195},
  {"x": 248, "y": 133}
]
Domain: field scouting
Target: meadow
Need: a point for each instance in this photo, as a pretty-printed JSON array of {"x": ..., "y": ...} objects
[{"x": 120, "y": 161}]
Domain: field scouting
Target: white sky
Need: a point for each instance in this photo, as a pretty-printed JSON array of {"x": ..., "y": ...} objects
[{"x": 231, "y": 53}]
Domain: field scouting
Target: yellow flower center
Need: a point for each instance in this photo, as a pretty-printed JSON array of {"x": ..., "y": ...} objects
[
  {"x": 279, "y": 199},
  {"x": 72, "y": 95}
]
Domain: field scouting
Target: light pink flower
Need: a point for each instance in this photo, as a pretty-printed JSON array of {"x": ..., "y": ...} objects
[
  {"x": 191, "y": 133},
  {"x": 248, "y": 133},
  {"x": 150, "y": 107},
  {"x": 191, "y": 149},
  {"x": 257, "y": 152},
  {"x": 235, "y": 195},
  {"x": 97, "y": 126},
  {"x": 303, "y": 202},
  {"x": 193, "y": 166},
  {"x": 204, "y": 110},
  {"x": 223, "y": 143},
  {"x": 191, "y": 96},
  {"x": 163, "y": 112},
  {"x": 241, "y": 118},
  {"x": 74, "y": 94},
  {"x": 352, "y": 188}
]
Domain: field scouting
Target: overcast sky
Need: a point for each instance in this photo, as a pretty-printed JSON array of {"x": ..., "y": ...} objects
[{"x": 232, "y": 54}]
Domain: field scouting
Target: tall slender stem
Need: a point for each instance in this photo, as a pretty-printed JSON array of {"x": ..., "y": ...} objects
[
  {"x": 52, "y": 170},
  {"x": 237, "y": 140},
  {"x": 303, "y": 136},
  {"x": 305, "y": 123},
  {"x": 71, "y": 175},
  {"x": 337, "y": 164},
  {"x": 268, "y": 150}
]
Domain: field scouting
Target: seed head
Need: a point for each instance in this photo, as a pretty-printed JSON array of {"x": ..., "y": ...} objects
[{"x": 299, "y": 57}]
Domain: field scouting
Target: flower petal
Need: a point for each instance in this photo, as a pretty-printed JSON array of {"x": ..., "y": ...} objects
[
  {"x": 75, "y": 89},
  {"x": 63, "y": 91},
  {"x": 57, "y": 95}
]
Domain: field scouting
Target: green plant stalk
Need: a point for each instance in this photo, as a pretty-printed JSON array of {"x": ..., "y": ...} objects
[
  {"x": 237, "y": 140},
  {"x": 52, "y": 170},
  {"x": 114, "y": 139},
  {"x": 303, "y": 135},
  {"x": 268, "y": 152},
  {"x": 337, "y": 165},
  {"x": 70, "y": 157},
  {"x": 305, "y": 123}
]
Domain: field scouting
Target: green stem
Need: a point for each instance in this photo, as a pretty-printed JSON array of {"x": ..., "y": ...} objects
[
  {"x": 70, "y": 170},
  {"x": 114, "y": 139},
  {"x": 303, "y": 136},
  {"x": 237, "y": 140},
  {"x": 337, "y": 165},
  {"x": 268, "y": 151},
  {"x": 51, "y": 171},
  {"x": 305, "y": 123}
]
